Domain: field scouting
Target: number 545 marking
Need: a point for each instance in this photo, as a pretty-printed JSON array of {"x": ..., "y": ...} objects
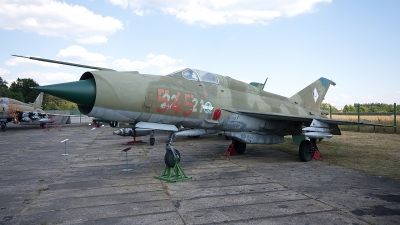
[{"x": 173, "y": 103}]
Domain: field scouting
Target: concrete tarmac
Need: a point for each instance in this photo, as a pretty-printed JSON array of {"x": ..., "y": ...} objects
[{"x": 40, "y": 186}]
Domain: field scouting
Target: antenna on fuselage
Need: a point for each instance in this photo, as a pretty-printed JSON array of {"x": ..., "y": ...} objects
[{"x": 264, "y": 84}]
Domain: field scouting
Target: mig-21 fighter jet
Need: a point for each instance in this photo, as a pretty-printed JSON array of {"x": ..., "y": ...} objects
[{"x": 204, "y": 101}]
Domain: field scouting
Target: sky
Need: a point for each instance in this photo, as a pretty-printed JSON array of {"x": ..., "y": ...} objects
[{"x": 355, "y": 43}]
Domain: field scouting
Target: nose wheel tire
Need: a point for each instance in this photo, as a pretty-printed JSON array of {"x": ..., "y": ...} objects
[
  {"x": 152, "y": 141},
  {"x": 169, "y": 158}
]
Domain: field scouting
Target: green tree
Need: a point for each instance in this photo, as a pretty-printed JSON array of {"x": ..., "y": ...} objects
[
  {"x": 4, "y": 92},
  {"x": 66, "y": 105},
  {"x": 51, "y": 102},
  {"x": 376, "y": 109},
  {"x": 327, "y": 106},
  {"x": 363, "y": 109},
  {"x": 349, "y": 108},
  {"x": 3, "y": 83},
  {"x": 16, "y": 95},
  {"x": 23, "y": 86}
]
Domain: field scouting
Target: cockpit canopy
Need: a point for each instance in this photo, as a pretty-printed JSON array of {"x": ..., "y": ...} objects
[{"x": 199, "y": 75}]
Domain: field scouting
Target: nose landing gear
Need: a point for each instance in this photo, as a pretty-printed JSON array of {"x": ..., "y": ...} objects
[{"x": 172, "y": 171}]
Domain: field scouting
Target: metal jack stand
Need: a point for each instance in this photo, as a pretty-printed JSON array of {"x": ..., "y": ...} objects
[
  {"x": 174, "y": 174},
  {"x": 317, "y": 155},
  {"x": 231, "y": 151},
  {"x": 126, "y": 156},
  {"x": 134, "y": 141},
  {"x": 65, "y": 151}
]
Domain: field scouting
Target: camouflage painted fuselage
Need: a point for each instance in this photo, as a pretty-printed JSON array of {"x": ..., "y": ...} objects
[
  {"x": 173, "y": 99},
  {"x": 7, "y": 105}
]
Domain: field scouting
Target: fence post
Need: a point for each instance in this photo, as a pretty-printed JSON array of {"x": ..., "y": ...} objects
[
  {"x": 330, "y": 111},
  {"x": 395, "y": 122},
  {"x": 358, "y": 114}
]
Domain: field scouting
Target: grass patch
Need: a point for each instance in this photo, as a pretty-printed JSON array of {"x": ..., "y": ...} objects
[
  {"x": 165, "y": 187},
  {"x": 41, "y": 190},
  {"x": 374, "y": 153},
  {"x": 377, "y": 119}
]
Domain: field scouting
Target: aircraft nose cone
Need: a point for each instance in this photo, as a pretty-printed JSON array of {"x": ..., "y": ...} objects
[{"x": 81, "y": 92}]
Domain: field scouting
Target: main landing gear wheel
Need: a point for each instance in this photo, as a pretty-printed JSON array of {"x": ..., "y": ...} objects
[
  {"x": 169, "y": 158},
  {"x": 152, "y": 141},
  {"x": 3, "y": 127},
  {"x": 152, "y": 138},
  {"x": 240, "y": 147},
  {"x": 306, "y": 150}
]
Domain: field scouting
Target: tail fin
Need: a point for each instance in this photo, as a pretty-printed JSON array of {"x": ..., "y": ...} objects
[
  {"x": 38, "y": 102},
  {"x": 312, "y": 96}
]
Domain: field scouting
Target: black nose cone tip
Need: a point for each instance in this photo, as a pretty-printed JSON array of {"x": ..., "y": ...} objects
[{"x": 81, "y": 92}]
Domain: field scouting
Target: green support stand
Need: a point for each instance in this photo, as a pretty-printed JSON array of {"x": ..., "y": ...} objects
[{"x": 174, "y": 174}]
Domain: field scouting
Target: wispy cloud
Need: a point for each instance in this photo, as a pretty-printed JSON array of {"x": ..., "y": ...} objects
[
  {"x": 44, "y": 78},
  {"x": 161, "y": 61},
  {"x": 168, "y": 70},
  {"x": 80, "y": 53},
  {"x": 340, "y": 100},
  {"x": 93, "y": 40},
  {"x": 60, "y": 19},
  {"x": 76, "y": 53},
  {"x": 4, "y": 71},
  {"x": 16, "y": 61},
  {"x": 216, "y": 12}
]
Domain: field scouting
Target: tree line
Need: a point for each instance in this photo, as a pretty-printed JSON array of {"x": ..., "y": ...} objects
[
  {"x": 21, "y": 90},
  {"x": 364, "y": 108}
]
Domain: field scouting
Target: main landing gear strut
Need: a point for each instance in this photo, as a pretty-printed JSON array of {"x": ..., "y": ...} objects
[
  {"x": 308, "y": 150},
  {"x": 172, "y": 171}
]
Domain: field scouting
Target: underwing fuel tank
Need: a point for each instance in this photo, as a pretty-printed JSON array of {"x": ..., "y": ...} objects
[{"x": 132, "y": 132}]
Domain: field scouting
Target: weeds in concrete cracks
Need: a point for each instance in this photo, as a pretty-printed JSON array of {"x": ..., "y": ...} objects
[
  {"x": 41, "y": 190},
  {"x": 165, "y": 187}
]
